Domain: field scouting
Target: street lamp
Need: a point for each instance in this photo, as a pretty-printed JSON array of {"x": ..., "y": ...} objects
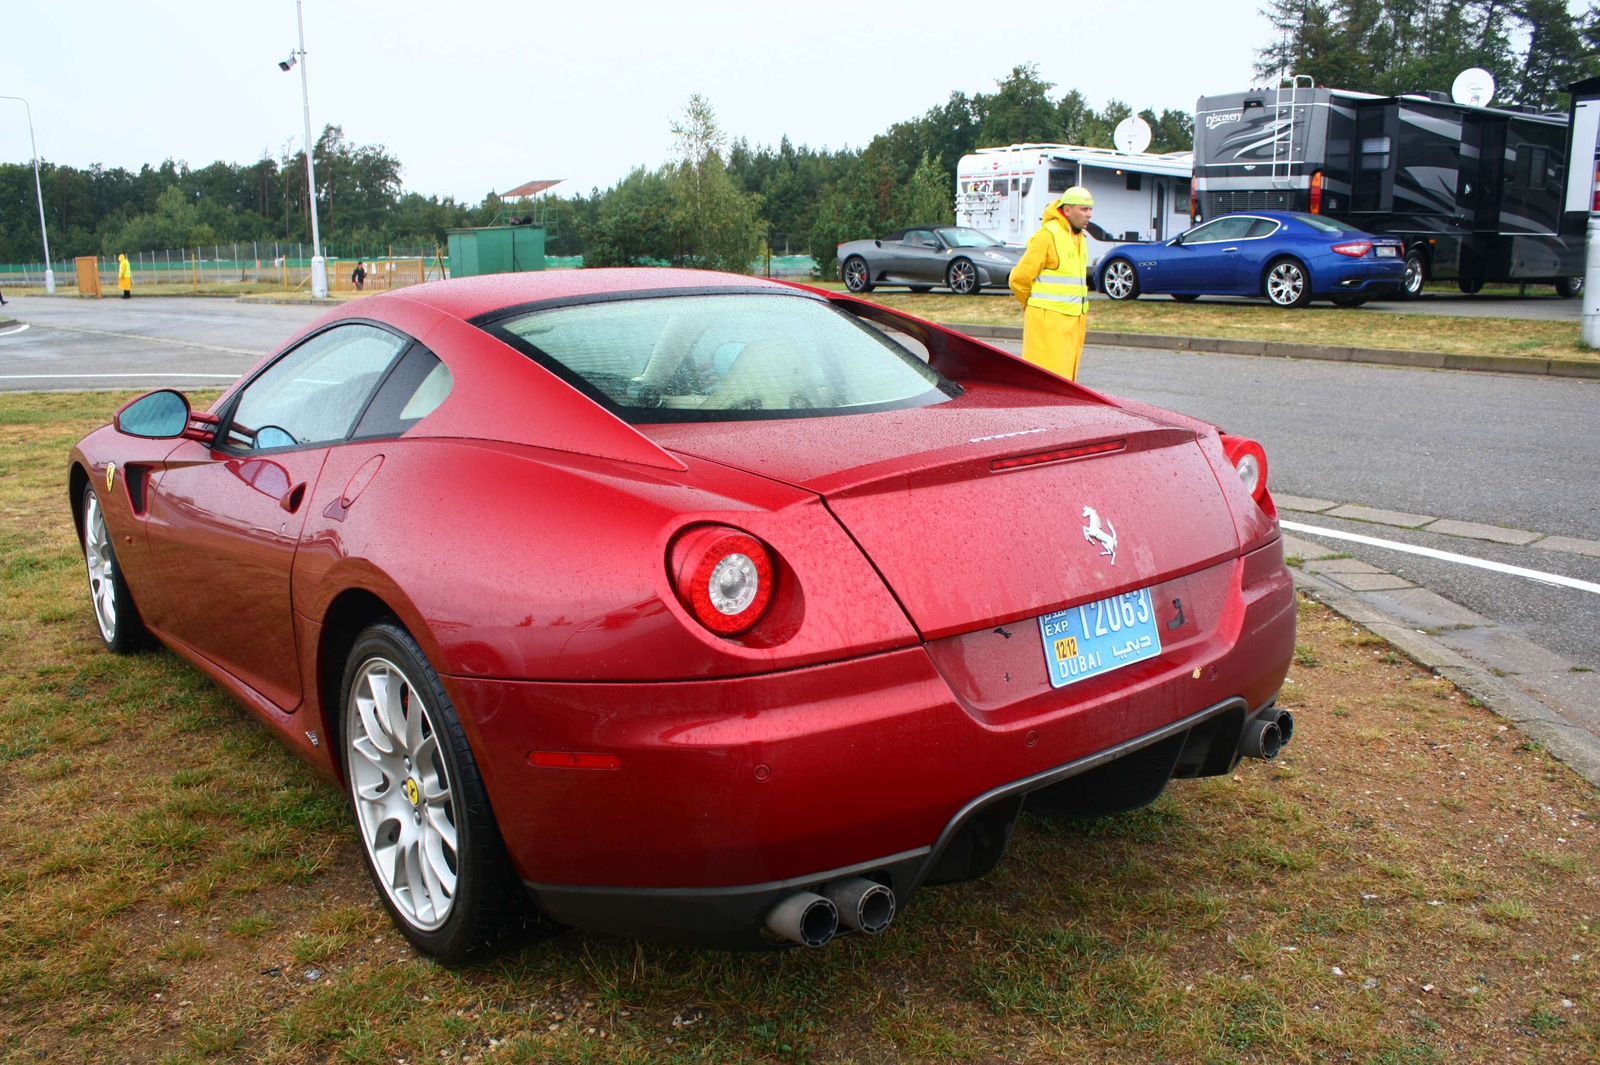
[
  {"x": 49, "y": 274},
  {"x": 319, "y": 266}
]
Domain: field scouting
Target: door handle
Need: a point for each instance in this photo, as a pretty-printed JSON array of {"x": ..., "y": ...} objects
[
  {"x": 291, "y": 499},
  {"x": 1230, "y": 249}
]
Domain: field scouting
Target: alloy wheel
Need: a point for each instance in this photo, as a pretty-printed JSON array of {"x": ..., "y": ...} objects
[
  {"x": 102, "y": 580},
  {"x": 404, "y": 802},
  {"x": 963, "y": 278},
  {"x": 1118, "y": 280},
  {"x": 1286, "y": 284},
  {"x": 855, "y": 275},
  {"x": 1411, "y": 281}
]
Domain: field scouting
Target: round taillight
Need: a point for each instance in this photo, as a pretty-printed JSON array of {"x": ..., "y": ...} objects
[
  {"x": 723, "y": 577},
  {"x": 1249, "y": 461}
]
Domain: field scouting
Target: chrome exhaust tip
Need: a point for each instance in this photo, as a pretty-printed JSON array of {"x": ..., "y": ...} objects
[
  {"x": 805, "y": 918},
  {"x": 1261, "y": 739},
  {"x": 1285, "y": 723},
  {"x": 864, "y": 905}
]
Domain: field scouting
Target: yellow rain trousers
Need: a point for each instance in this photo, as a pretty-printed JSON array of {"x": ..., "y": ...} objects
[
  {"x": 1050, "y": 339},
  {"x": 124, "y": 274}
]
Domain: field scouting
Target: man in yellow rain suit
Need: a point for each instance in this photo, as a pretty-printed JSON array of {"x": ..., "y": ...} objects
[
  {"x": 124, "y": 277},
  {"x": 1051, "y": 282}
]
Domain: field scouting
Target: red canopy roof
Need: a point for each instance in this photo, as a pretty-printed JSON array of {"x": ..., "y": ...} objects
[{"x": 532, "y": 188}]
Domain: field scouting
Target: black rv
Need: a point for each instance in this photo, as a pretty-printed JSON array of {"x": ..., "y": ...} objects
[{"x": 1479, "y": 193}]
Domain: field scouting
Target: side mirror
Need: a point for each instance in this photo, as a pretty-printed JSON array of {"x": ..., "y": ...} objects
[
  {"x": 154, "y": 415},
  {"x": 1175, "y": 241},
  {"x": 935, "y": 245}
]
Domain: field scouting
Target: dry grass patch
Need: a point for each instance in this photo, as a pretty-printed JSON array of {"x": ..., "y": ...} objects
[
  {"x": 1412, "y": 883},
  {"x": 1320, "y": 324}
]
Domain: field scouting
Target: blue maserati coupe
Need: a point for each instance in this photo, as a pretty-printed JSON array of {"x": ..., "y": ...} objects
[{"x": 1289, "y": 257}]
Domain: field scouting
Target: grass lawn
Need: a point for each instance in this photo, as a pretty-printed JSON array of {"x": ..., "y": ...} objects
[
  {"x": 1318, "y": 324},
  {"x": 1411, "y": 883}
]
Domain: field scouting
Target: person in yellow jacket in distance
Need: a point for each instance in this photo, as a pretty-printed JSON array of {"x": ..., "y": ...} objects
[
  {"x": 124, "y": 277},
  {"x": 1051, "y": 281}
]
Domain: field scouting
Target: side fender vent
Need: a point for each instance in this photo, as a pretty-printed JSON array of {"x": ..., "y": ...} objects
[{"x": 137, "y": 478}]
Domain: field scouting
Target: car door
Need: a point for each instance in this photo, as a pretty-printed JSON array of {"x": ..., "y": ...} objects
[
  {"x": 1204, "y": 261},
  {"x": 919, "y": 258},
  {"x": 1261, "y": 243},
  {"x": 225, "y": 517}
]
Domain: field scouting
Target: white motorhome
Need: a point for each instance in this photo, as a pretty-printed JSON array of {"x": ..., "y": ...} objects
[{"x": 1137, "y": 196}]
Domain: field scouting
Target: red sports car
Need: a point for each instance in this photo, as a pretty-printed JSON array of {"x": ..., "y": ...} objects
[{"x": 691, "y": 606}]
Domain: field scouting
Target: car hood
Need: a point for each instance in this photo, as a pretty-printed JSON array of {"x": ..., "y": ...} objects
[{"x": 966, "y": 539}]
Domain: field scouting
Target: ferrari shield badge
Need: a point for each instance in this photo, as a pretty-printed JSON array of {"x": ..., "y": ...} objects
[
  {"x": 1104, "y": 535},
  {"x": 111, "y": 475}
]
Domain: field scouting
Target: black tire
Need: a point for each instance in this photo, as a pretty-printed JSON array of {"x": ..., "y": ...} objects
[
  {"x": 1186, "y": 297},
  {"x": 1349, "y": 301},
  {"x": 1470, "y": 285},
  {"x": 919, "y": 289},
  {"x": 962, "y": 277},
  {"x": 488, "y": 908},
  {"x": 1286, "y": 283},
  {"x": 1119, "y": 279},
  {"x": 116, "y": 614},
  {"x": 1569, "y": 287},
  {"x": 857, "y": 278},
  {"x": 1416, "y": 275}
]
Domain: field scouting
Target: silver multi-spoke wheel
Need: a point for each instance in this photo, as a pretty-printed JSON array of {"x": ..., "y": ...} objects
[
  {"x": 962, "y": 277},
  {"x": 102, "y": 578},
  {"x": 1286, "y": 284},
  {"x": 1119, "y": 281},
  {"x": 856, "y": 277},
  {"x": 1416, "y": 275},
  {"x": 402, "y": 793}
]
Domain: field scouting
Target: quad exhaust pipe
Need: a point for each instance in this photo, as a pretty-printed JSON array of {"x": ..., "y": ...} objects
[
  {"x": 1266, "y": 734},
  {"x": 810, "y": 919}
]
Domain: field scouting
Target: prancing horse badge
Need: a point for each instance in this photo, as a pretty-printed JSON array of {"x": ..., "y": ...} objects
[{"x": 1105, "y": 536}]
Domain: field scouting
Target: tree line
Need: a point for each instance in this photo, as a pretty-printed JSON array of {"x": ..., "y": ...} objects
[
  {"x": 1534, "y": 48},
  {"x": 801, "y": 199}
]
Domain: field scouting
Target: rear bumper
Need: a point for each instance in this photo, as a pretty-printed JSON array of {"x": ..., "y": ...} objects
[
  {"x": 1360, "y": 277},
  {"x": 729, "y": 793}
]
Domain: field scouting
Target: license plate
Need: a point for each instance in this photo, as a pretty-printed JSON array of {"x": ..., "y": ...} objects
[
  {"x": 1085, "y": 641},
  {"x": 1388, "y": 251}
]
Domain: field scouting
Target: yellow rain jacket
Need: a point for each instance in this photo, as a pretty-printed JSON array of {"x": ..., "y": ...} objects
[
  {"x": 124, "y": 274},
  {"x": 1051, "y": 282}
]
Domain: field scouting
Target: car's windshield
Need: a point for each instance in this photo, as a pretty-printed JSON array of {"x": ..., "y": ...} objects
[
  {"x": 1324, "y": 224},
  {"x": 725, "y": 357},
  {"x": 959, "y": 237}
]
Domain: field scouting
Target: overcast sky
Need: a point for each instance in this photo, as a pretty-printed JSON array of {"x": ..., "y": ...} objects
[{"x": 473, "y": 95}]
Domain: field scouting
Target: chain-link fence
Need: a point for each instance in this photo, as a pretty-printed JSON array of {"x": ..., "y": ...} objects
[
  {"x": 279, "y": 264},
  {"x": 287, "y": 265}
]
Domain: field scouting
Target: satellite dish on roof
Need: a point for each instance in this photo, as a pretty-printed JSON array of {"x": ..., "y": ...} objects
[
  {"x": 1132, "y": 135},
  {"x": 1474, "y": 87}
]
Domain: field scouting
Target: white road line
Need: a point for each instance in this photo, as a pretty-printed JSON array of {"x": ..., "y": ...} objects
[
  {"x": 113, "y": 376},
  {"x": 1447, "y": 556}
]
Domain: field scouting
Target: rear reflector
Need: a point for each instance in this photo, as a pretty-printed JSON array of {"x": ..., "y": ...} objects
[
  {"x": 1057, "y": 456},
  {"x": 569, "y": 760}
]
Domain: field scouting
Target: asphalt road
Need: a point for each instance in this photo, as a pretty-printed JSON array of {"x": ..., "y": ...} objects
[
  {"x": 1498, "y": 449},
  {"x": 72, "y": 344},
  {"x": 1541, "y": 303}
]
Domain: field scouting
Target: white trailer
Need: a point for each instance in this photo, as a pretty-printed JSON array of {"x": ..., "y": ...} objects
[{"x": 1137, "y": 196}]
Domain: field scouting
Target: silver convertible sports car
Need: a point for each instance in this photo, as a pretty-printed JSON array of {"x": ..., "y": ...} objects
[{"x": 964, "y": 260}]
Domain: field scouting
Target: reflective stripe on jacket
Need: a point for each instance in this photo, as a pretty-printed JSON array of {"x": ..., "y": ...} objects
[{"x": 1065, "y": 288}]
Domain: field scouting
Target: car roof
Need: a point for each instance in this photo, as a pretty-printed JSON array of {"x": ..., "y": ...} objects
[{"x": 468, "y": 297}]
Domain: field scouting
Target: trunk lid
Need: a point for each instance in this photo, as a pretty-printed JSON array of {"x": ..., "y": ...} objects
[{"x": 964, "y": 544}]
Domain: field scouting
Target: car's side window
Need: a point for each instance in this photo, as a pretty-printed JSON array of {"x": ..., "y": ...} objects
[
  {"x": 1201, "y": 234},
  {"x": 313, "y": 394},
  {"x": 917, "y": 238},
  {"x": 1262, "y": 227},
  {"x": 413, "y": 391},
  {"x": 1232, "y": 227}
]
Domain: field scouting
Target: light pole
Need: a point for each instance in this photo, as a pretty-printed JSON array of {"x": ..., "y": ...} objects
[
  {"x": 49, "y": 274},
  {"x": 319, "y": 266}
]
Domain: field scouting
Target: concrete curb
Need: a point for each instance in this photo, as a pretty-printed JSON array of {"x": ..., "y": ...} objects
[
  {"x": 1431, "y": 360},
  {"x": 291, "y": 302},
  {"x": 1574, "y": 746}
]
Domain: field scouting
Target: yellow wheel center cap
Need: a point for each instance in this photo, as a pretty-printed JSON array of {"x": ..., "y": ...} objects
[{"x": 412, "y": 793}]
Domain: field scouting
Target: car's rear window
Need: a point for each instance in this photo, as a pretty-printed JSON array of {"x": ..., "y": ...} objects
[{"x": 724, "y": 357}]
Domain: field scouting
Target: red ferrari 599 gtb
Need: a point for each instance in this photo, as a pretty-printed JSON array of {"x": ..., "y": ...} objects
[{"x": 690, "y": 606}]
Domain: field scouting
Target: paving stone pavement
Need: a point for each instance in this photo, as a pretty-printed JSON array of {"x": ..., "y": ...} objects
[{"x": 1467, "y": 530}]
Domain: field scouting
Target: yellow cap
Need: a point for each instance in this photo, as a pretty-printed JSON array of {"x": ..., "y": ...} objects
[{"x": 1077, "y": 196}]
